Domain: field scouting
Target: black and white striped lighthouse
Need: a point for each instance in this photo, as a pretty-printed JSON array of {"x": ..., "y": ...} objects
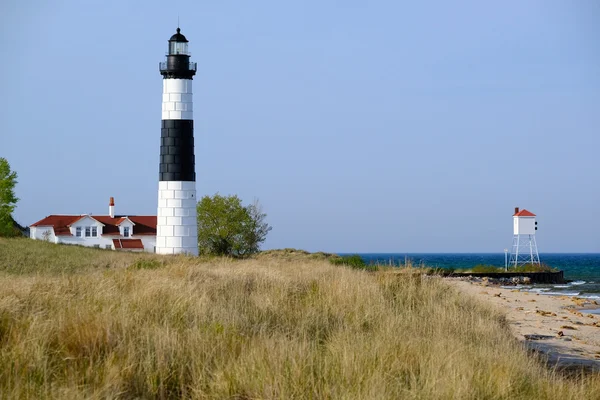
[{"x": 177, "y": 229}]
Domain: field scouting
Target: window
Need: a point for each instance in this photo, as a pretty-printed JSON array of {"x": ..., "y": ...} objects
[
  {"x": 178, "y": 48},
  {"x": 94, "y": 231},
  {"x": 97, "y": 246},
  {"x": 78, "y": 231},
  {"x": 108, "y": 247},
  {"x": 126, "y": 231},
  {"x": 88, "y": 231}
]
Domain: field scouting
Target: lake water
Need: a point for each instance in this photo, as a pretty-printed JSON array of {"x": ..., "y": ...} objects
[{"x": 582, "y": 269}]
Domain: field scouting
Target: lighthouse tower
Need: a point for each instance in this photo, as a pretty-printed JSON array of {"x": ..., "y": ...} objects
[
  {"x": 177, "y": 229},
  {"x": 524, "y": 248}
]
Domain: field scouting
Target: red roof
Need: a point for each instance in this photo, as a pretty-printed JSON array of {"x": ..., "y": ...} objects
[
  {"x": 60, "y": 223},
  {"x": 144, "y": 224},
  {"x": 524, "y": 213},
  {"x": 128, "y": 244}
]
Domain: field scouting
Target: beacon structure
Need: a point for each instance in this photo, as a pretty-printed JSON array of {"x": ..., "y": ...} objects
[
  {"x": 177, "y": 229},
  {"x": 524, "y": 248}
]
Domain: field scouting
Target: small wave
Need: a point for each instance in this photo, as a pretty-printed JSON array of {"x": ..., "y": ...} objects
[
  {"x": 538, "y": 290},
  {"x": 590, "y": 296},
  {"x": 562, "y": 293},
  {"x": 561, "y": 286},
  {"x": 522, "y": 287},
  {"x": 578, "y": 283},
  {"x": 518, "y": 287}
]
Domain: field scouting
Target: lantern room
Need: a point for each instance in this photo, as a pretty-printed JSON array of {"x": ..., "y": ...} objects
[
  {"x": 178, "y": 65},
  {"x": 524, "y": 222},
  {"x": 178, "y": 44}
]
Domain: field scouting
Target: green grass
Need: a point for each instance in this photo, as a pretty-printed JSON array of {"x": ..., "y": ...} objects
[
  {"x": 482, "y": 268},
  {"x": 145, "y": 263},
  {"x": 533, "y": 268},
  {"x": 84, "y": 323}
]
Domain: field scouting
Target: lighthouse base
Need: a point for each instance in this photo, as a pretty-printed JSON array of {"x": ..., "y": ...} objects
[
  {"x": 177, "y": 224},
  {"x": 524, "y": 251}
]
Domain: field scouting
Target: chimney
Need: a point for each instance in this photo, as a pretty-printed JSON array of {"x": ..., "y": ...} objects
[
  {"x": 111, "y": 207},
  {"x": 516, "y": 209}
]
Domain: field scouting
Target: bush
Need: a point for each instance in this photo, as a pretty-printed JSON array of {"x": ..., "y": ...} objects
[
  {"x": 486, "y": 268},
  {"x": 354, "y": 261},
  {"x": 533, "y": 268},
  {"x": 481, "y": 268},
  {"x": 228, "y": 228}
]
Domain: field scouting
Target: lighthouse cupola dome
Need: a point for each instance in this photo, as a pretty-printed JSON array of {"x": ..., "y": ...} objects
[{"x": 178, "y": 44}]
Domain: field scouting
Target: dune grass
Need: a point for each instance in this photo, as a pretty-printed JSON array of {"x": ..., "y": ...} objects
[{"x": 108, "y": 325}]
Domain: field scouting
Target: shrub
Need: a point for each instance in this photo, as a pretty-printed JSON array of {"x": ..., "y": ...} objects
[
  {"x": 486, "y": 268},
  {"x": 481, "y": 268},
  {"x": 354, "y": 261},
  {"x": 533, "y": 268},
  {"x": 227, "y": 228}
]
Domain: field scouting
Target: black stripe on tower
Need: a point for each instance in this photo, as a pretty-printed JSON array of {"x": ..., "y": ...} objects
[
  {"x": 177, "y": 161},
  {"x": 177, "y": 66}
]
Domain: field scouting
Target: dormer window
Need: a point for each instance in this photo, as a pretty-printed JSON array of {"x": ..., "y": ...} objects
[
  {"x": 91, "y": 231},
  {"x": 78, "y": 231},
  {"x": 126, "y": 231}
]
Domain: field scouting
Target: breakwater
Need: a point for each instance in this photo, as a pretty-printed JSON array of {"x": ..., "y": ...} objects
[{"x": 534, "y": 277}]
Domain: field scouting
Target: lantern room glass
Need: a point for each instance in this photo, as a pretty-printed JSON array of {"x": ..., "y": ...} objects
[{"x": 178, "y": 48}]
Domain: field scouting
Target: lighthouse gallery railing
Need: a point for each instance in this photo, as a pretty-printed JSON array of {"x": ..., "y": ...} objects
[{"x": 191, "y": 66}]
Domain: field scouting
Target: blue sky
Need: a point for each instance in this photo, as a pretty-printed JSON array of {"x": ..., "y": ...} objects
[{"x": 360, "y": 126}]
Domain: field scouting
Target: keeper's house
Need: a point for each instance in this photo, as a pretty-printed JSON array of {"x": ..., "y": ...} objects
[{"x": 116, "y": 232}]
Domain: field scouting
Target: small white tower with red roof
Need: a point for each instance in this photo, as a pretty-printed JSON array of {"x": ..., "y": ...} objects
[{"x": 524, "y": 248}]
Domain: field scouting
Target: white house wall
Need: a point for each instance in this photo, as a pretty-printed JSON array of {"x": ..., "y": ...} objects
[
  {"x": 149, "y": 242},
  {"x": 85, "y": 241},
  {"x": 38, "y": 233},
  {"x": 524, "y": 225}
]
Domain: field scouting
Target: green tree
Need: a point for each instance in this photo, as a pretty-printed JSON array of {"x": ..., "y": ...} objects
[
  {"x": 227, "y": 228},
  {"x": 259, "y": 228},
  {"x": 8, "y": 200}
]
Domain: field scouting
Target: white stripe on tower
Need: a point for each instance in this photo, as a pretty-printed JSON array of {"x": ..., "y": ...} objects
[
  {"x": 177, "y": 99},
  {"x": 177, "y": 227}
]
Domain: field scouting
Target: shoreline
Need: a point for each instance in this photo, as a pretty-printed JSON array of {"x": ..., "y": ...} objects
[{"x": 564, "y": 329}]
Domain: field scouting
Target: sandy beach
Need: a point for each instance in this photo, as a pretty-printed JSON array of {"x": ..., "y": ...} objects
[{"x": 561, "y": 327}]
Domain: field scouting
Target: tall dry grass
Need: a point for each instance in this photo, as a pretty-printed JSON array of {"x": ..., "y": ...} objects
[
  {"x": 25, "y": 256},
  {"x": 255, "y": 329}
]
